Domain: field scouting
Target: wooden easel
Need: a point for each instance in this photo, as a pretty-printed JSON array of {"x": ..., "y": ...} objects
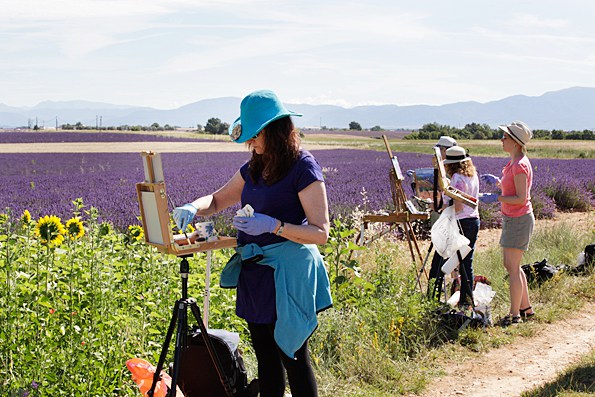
[
  {"x": 404, "y": 212},
  {"x": 155, "y": 218}
]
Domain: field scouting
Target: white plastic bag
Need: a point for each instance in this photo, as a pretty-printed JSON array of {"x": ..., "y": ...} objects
[
  {"x": 445, "y": 234},
  {"x": 453, "y": 261},
  {"x": 483, "y": 294}
]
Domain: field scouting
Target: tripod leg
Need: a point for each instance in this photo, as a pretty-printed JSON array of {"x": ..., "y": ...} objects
[
  {"x": 180, "y": 344},
  {"x": 422, "y": 270},
  {"x": 170, "y": 332},
  {"x": 465, "y": 280}
]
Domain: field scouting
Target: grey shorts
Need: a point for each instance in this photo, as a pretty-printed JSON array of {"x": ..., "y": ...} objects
[{"x": 516, "y": 232}]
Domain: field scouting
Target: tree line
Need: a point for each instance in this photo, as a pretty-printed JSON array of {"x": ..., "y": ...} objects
[{"x": 483, "y": 131}]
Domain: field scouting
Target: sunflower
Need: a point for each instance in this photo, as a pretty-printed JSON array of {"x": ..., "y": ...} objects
[
  {"x": 50, "y": 230},
  {"x": 136, "y": 233},
  {"x": 74, "y": 228},
  {"x": 26, "y": 217},
  {"x": 104, "y": 229}
]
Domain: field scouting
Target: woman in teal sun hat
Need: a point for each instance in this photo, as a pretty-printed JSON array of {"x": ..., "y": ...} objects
[{"x": 279, "y": 273}]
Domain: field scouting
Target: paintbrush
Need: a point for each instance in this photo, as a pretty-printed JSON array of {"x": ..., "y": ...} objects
[{"x": 183, "y": 231}]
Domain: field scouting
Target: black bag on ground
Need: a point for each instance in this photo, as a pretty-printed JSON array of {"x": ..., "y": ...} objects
[
  {"x": 539, "y": 271},
  {"x": 451, "y": 322},
  {"x": 590, "y": 255},
  {"x": 198, "y": 375}
]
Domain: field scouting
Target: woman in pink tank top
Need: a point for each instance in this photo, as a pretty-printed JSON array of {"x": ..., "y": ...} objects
[{"x": 517, "y": 217}]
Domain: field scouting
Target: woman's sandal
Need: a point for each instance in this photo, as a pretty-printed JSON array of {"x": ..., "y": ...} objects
[
  {"x": 525, "y": 315},
  {"x": 509, "y": 319}
]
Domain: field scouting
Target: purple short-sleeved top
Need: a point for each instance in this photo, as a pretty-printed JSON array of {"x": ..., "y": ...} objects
[{"x": 256, "y": 286}]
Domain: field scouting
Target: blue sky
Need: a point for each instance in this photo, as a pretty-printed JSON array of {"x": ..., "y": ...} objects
[{"x": 169, "y": 53}]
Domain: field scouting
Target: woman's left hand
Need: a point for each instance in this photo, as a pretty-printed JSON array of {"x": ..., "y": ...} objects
[{"x": 256, "y": 225}]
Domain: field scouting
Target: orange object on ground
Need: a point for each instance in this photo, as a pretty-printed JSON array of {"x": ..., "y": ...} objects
[{"x": 143, "y": 372}]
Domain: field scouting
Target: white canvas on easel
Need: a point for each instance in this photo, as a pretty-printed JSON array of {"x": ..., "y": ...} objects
[
  {"x": 153, "y": 167},
  {"x": 151, "y": 214}
]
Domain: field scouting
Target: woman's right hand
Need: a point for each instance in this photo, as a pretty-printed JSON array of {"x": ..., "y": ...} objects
[{"x": 184, "y": 215}]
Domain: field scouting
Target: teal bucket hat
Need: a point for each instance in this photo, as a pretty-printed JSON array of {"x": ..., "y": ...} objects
[{"x": 257, "y": 110}]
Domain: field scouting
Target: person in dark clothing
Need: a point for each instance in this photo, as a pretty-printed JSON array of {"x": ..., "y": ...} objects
[{"x": 280, "y": 294}]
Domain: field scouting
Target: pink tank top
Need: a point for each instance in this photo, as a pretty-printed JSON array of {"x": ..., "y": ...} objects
[{"x": 522, "y": 165}]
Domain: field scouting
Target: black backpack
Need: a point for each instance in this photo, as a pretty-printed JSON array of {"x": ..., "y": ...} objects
[{"x": 198, "y": 375}]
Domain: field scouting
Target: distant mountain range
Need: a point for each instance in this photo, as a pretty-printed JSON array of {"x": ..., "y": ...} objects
[{"x": 567, "y": 109}]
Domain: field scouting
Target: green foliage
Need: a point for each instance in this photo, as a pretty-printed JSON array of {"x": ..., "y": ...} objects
[
  {"x": 354, "y": 125},
  {"x": 483, "y": 131},
  {"x": 342, "y": 268},
  {"x": 70, "y": 316},
  {"x": 370, "y": 339},
  {"x": 216, "y": 127}
]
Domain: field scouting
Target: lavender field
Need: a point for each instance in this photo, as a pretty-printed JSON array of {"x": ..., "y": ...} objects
[
  {"x": 45, "y": 184},
  {"x": 57, "y": 137}
]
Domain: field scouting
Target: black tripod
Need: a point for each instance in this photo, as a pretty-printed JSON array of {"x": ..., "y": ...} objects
[{"x": 180, "y": 316}]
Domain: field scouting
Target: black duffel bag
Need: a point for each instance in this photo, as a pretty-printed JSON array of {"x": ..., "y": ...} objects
[{"x": 198, "y": 375}]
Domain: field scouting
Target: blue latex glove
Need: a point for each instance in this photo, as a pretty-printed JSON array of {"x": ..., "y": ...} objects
[
  {"x": 256, "y": 225},
  {"x": 183, "y": 215},
  {"x": 489, "y": 198},
  {"x": 489, "y": 178}
]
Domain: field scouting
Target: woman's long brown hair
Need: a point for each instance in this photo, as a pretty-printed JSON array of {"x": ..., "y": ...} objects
[
  {"x": 282, "y": 148},
  {"x": 462, "y": 167}
]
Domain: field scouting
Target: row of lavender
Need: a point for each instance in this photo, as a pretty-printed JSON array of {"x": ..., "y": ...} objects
[
  {"x": 58, "y": 137},
  {"x": 47, "y": 183}
]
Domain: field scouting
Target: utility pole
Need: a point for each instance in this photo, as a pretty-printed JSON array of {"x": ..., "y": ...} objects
[{"x": 56, "y": 123}]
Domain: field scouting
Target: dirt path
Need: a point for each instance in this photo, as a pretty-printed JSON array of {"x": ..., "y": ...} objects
[
  {"x": 528, "y": 361},
  {"x": 522, "y": 365}
]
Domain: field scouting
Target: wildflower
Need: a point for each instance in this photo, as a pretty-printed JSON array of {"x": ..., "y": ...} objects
[
  {"x": 26, "y": 217},
  {"x": 50, "y": 230},
  {"x": 136, "y": 232},
  {"x": 74, "y": 228},
  {"x": 34, "y": 385},
  {"x": 52, "y": 311},
  {"x": 375, "y": 341}
]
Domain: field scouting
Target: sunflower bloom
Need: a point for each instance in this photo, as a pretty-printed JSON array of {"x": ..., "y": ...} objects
[
  {"x": 136, "y": 232},
  {"x": 74, "y": 228},
  {"x": 26, "y": 217},
  {"x": 104, "y": 229},
  {"x": 50, "y": 230}
]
